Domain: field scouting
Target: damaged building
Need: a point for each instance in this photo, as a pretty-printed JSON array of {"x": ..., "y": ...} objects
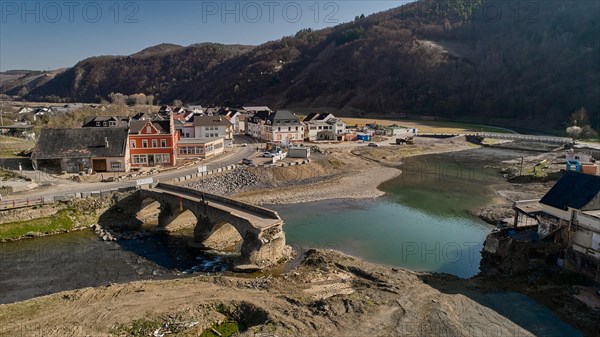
[{"x": 82, "y": 149}]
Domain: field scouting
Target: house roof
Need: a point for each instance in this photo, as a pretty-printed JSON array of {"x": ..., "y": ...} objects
[
  {"x": 80, "y": 143},
  {"x": 575, "y": 190},
  {"x": 211, "y": 121},
  {"x": 283, "y": 117},
  {"x": 257, "y": 108},
  {"x": 263, "y": 114},
  {"x": 91, "y": 120},
  {"x": 314, "y": 116},
  {"x": 161, "y": 125}
]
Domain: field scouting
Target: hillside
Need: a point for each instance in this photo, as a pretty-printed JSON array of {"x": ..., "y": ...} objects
[
  {"x": 21, "y": 82},
  {"x": 526, "y": 65}
]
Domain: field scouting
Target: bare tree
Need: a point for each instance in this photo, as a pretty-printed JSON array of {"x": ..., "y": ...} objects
[
  {"x": 117, "y": 98},
  {"x": 579, "y": 118},
  {"x": 574, "y": 131}
]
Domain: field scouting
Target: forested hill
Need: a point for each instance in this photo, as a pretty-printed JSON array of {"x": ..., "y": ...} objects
[{"x": 530, "y": 63}]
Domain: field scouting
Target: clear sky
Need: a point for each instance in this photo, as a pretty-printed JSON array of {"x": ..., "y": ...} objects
[{"x": 44, "y": 35}]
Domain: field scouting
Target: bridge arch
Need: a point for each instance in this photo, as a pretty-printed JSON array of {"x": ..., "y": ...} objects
[{"x": 260, "y": 229}]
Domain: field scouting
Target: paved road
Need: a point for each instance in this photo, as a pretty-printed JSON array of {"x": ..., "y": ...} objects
[{"x": 69, "y": 187}]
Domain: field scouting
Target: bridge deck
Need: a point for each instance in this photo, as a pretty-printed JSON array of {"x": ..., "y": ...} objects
[{"x": 258, "y": 220}]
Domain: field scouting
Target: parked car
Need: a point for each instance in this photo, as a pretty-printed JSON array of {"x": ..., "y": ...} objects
[
  {"x": 244, "y": 144},
  {"x": 247, "y": 161},
  {"x": 373, "y": 145},
  {"x": 268, "y": 154}
]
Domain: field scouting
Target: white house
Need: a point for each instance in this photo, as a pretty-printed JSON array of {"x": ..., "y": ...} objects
[
  {"x": 212, "y": 127},
  {"x": 195, "y": 109},
  {"x": 323, "y": 126},
  {"x": 236, "y": 117},
  {"x": 283, "y": 127}
]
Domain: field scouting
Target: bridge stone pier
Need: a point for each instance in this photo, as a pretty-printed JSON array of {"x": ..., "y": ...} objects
[{"x": 260, "y": 228}]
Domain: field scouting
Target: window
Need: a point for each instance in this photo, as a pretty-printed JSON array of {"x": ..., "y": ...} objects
[
  {"x": 148, "y": 129},
  {"x": 140, "y": 159},
  {"x": 154, "y": 143},
  {"x": 115, "y": 165},
  {"x": 289, "y": 128},
  {"x": 105, "y": 123},
  {"x": 98, "y": 124},
  {"x": 112, "y": 123},
  {"x": 206, "y": 128},
  {"x": 144, "y": 143},
  {"x": 132, "y": 144},
  {"x": 163, "y": 142},
  {"x": 162, "y": 158}
]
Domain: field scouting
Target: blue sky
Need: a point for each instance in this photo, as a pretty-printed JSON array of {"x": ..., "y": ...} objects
[{"x": 43, "y": 35}]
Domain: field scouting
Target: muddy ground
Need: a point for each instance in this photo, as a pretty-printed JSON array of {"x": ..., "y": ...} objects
[{"x": 328, "y": 294}]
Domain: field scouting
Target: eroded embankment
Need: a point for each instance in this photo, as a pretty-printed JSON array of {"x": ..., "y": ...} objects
[{"x": 329, "y": 294}]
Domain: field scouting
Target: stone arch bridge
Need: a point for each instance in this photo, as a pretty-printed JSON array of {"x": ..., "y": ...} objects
[{"x": 260, "y": 228}]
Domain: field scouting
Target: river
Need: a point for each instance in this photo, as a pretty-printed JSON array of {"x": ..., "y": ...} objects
[{"x": 422, "y": 223}]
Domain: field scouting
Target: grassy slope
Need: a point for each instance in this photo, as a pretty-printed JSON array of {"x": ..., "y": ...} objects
[{"x": 64, "y": 220}]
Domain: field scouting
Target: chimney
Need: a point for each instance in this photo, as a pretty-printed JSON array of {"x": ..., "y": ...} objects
[{"x": 106, "y": 142}]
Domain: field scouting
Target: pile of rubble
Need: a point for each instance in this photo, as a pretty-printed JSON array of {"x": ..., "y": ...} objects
[{"x": 227, "y": 183}]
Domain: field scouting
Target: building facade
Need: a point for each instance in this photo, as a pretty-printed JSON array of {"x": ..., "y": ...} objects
[
  {"x": 213, "y": 127},
  {"x": 153, "y": 143},
  {"x": 324, "y": 126}
]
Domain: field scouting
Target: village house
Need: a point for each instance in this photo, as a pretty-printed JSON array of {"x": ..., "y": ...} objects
[
  {"x": 195, "y": 109},
  {"x": 105, "y": 122},
  {"x": 254, "y": 124},
  {"x": 581, "y": 162},
  {"x": 236, "y": 117},
  {"x": 280, "y": 127},
  {"x": 165, "y": 110},
  {"x": 395, "y": 130},
  {"x": 195, "y": 148},
  {"x": 213, "y": 127},
  {"x": 570, "y": 213},
  {"x": 323, "y": 126},
  {"x": 153, "y": 142},
  {"x": 82, "y": 149}
]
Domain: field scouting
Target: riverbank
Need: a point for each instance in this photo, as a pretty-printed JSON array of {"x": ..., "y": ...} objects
[
  {"x": 346, "y": 173},
  {"x": 52, "y": 219},
  {"x": 328, "y": 294}
]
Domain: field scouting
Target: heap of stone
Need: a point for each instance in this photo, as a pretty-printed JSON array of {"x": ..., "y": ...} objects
[{"x": 227, "y": 183}]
